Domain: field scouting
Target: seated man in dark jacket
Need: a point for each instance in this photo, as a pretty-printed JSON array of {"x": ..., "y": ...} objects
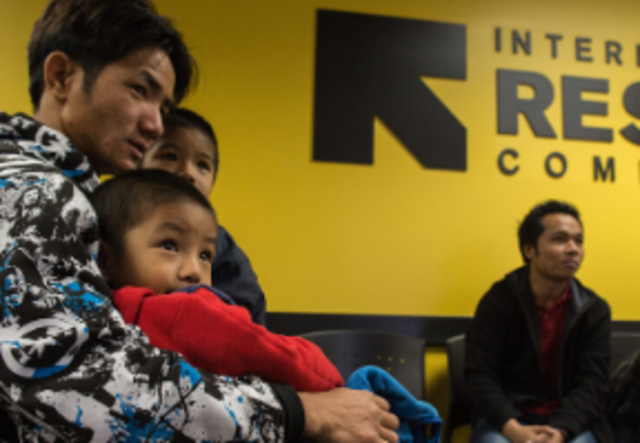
[{"x": 537, "y": 354}]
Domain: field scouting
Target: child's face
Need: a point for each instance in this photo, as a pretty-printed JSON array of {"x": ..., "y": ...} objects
[
  {"x": 186, "y": 152},
  {"x": 170, "y": 250}
]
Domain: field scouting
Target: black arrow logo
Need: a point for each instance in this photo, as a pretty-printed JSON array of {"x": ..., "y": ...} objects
[{"x": 369, "y": 66}]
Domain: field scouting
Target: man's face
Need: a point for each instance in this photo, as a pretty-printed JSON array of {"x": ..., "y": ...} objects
[
  {"x": 560, "y": 248},
  {"x": 170, "y": 250},
  {"x": 184, "y": 151},
  {"x": 117, "y": 120}
]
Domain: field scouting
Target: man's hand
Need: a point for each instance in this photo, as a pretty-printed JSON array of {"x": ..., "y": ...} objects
[
  {"x": 518, "y": 433},
  {"x": 346, "y": 415},
  {"x": 557, "y": 435}
]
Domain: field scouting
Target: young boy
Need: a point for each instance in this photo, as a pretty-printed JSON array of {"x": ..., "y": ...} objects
[
  {"x": 158, "y": 236},
  {"x": 189, "y": 148}
]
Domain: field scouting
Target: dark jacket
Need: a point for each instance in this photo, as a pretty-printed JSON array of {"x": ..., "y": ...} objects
[
  {"x": 504, "y": 362},
  {"x": 233, "y": 275}
]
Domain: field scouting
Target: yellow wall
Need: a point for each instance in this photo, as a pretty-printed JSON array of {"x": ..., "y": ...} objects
[{"x": 394, "y": 238}]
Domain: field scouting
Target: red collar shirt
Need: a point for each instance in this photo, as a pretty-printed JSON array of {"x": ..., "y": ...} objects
[{"x": 551, "y": 321}]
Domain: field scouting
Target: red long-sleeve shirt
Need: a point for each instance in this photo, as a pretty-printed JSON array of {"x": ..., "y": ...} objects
[{"x": 221, "y": 338}]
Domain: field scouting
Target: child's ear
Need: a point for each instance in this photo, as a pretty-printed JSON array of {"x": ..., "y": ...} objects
[{"x": 106, "y": 260}]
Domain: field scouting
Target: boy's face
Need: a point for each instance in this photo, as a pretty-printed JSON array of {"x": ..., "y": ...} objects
[
  {"x": 186, "y": 152},
  {"x": 170, "y": 250},
  {"x": 118, "y": 119}
]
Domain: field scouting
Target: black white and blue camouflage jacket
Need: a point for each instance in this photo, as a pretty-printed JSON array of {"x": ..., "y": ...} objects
[{"x": 70, "y": 368}]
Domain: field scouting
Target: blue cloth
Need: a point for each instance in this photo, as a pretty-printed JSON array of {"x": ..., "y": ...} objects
[{"x": 413, "y": 414}]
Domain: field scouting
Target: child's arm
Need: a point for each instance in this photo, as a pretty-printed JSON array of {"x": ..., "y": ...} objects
[{"x": 223, "y": 339}]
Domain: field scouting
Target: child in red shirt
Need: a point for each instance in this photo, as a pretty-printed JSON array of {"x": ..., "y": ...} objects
[{"x": 158, "y": 236}]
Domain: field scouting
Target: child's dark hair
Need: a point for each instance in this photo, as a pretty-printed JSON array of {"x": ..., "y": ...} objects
[
  {"x": 182, "y": 117},
  {"x": 126, "y": 200},
  {"x": 532, "y": 227}
]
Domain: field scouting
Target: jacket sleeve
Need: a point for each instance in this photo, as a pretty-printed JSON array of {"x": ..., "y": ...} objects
[
  {"x": 232, "y": 274},
  {"x": 589, "y": 395},
  {"x": 70, "y": 368},
  {"x": 482, "y": 363},
  {"x": 222, "y": 338}
]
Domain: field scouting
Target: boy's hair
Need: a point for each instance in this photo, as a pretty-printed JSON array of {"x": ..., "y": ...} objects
[
  {"x": 532, "y": 227},
  {"x": 126, "y": 200},
  {"x": 95, "y": 33},
  {"x": 182, "y": 117}
]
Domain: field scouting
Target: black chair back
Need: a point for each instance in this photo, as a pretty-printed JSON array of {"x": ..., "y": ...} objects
[
  {"x": 623, "y": 345},
  {"x": 459, "y": 407},
  {"x": 401, "y": 356}
]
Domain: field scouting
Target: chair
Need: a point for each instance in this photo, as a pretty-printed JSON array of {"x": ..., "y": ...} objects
[
  {"x": 459, "y": 407},
  {"x": 623, "y": 344},
  {"x": 401, "y": 356}
]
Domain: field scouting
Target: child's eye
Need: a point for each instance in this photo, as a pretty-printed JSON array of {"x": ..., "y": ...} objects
[
  {"x": 169, "y": 156},
  {"x": 169, "y": 245},
  {"x": 206, "y": 257},
  {"x": 204, "y": 165}
]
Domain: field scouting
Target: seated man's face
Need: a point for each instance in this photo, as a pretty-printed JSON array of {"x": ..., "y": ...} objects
[
  {"x": 171, "y": 249},
  {"x": 116, "y": 122},
  {"x": 187, "y": 152},
  {"x": 560, "y": 247}
]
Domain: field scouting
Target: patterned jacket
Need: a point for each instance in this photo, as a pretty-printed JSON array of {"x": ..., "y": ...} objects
[{"x": 70, "y": 368}]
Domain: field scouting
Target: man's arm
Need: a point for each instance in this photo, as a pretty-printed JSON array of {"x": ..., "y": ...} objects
[
  {"x": 222, "y": 338},
  {"x": 587, "y": 399},
  {"x": 482, "y": 363}
]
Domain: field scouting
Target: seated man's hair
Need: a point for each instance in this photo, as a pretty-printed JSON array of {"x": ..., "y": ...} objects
[
  {"x": 185, "y": 118},
  {"x": 95, "y": 33},
  {"x": 126, "y": 200},
  {"x": 532, "y": 227}
]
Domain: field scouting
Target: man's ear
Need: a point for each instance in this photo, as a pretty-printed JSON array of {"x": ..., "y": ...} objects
[
  {"x": 106, "y": 261},
  {"x": 529, "y": 251},
  {"x": 58, "y": 72}
]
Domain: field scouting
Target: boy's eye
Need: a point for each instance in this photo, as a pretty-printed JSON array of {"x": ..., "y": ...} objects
[
  {"x": 204, "y": 165},
  {"x": 206, "y": 257},
  {"x": 169, "y": 245},
  {"x": 169, "y": 156}
]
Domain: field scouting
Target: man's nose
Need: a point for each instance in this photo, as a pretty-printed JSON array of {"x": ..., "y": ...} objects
[
  {"x": 574, "y": 247},
  {"x": 151, "y": 125}
]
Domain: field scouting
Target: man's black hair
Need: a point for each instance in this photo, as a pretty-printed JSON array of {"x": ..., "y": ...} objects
[
  {"x": 532, "y": 227},
  {"x": 126, "y": 200},
  {"x": 94, "y": 33},
  {"x": 185, "y": 118}
]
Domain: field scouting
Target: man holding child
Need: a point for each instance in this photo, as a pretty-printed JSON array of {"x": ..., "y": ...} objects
[{"x": 102, "y": 74}]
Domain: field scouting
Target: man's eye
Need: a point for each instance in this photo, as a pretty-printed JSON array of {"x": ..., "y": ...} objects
[
  {"x": 140, "y": 90},
  {"x": 169, "y": 245}
]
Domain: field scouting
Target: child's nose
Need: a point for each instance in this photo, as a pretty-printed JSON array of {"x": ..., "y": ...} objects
[
  {"x": 190, "y": 271},
  {"x": 187, "y": 171}
]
